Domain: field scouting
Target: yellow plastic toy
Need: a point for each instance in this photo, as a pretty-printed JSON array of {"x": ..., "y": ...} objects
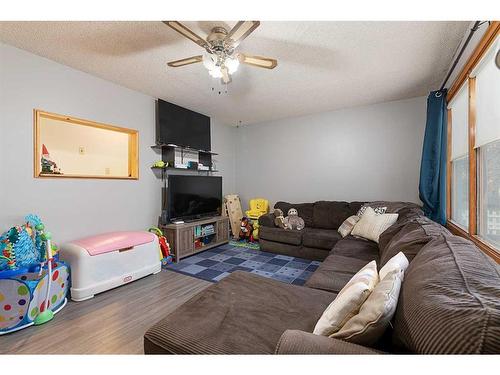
[
  {"x": 258, "y": 207},
  {"x": 255, "y": 232}
]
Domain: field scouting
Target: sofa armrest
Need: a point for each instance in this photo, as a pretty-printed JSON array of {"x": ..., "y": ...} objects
[
  {"x": 267, "y": 220},
  {"x": 300, "y": 342}
]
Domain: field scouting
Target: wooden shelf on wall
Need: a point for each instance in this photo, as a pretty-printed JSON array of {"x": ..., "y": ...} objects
[{"x": 182, "y": 148}]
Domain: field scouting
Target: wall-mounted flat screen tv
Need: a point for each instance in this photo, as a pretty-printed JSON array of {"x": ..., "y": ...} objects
[
  {"x": 182, "y": 127},
  {"x": 193, "y": 197}
]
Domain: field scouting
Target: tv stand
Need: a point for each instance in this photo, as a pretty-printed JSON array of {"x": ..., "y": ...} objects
[{"x": 196, "y": 236}]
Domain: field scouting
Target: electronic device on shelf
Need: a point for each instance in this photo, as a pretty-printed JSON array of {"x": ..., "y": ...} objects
[
  {"x": 178, "y": 126},
  {"x": 192, "y": 198}
]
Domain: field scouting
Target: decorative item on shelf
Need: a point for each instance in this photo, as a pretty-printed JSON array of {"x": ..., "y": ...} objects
[
  {"x": 159, "y": 164},
  {"x": 202, "y": 167},
  {"x": 192, "y": 165},
  {"x": 180, "y": 166},
  {"x": 48, "y": 165}
]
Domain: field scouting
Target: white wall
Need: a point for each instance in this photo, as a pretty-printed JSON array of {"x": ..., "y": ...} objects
[
  {"x": 364, "y": 153},
  {"x": 77, "y": 207}
]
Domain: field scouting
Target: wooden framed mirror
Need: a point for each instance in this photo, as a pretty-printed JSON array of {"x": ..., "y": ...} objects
[{"x": 68, "y": 147}]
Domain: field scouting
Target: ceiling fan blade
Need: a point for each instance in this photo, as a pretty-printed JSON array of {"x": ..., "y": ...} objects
[
  {"x": 183, "y": 30},
  {"x": 226, "y": 78},
  {"x": 186, "y": 61},
  {"x": 241, "y": 30},
  {"x": 258, "y": 61}
]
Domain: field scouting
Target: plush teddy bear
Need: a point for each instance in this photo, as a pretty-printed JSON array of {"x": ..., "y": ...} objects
[
  {"x": 279, "y": 219},
  {"x": 293, "y": 220},
  {"x": 246, "y": 230}
]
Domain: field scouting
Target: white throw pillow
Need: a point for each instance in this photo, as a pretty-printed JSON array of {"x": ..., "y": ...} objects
[
  {"x": 398, "y": 262},
  {"x": 371, "y": 225},
  {"x": 368, "y": 326},
  {"x": 378, "y": 210},
  {"x": 348, "y": 301},
  {"x": 348, "y": 225}
]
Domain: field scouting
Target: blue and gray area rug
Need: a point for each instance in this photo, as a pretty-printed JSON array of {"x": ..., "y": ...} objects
[{"x": 215, "y": 264}]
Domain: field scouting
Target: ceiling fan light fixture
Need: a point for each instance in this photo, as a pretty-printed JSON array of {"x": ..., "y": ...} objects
[
  {"x": 215, "y": 73},
  {"x": 232, "y": 64}
]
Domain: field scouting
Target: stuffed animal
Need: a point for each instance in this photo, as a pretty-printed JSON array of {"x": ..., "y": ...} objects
[
  {"x": 246, "y": 230},
  {"x": 293, "y": 220},
  {"x": 279, "y": 219}
]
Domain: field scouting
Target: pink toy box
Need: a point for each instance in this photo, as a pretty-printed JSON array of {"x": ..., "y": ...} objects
[{"x": 106, "y": 261}]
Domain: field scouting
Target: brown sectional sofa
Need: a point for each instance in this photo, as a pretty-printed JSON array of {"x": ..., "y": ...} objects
[{"x": 449, "y": 301}]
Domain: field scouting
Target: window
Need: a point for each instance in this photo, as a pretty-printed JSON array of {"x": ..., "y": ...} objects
[
  {"x": 70, "y": 147},
  {"x": 489, "y": 193},
  {"x": 474, "y": 147},
  {"x": 460, "y": 192},
  {"x": 459, "y": 108},
  {"x": 487, "y": 142}
]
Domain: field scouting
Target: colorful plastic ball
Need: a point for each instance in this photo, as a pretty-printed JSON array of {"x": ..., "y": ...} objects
[
  {"x": 39, "y": 227},
  {"x": 46, "y": 236}
]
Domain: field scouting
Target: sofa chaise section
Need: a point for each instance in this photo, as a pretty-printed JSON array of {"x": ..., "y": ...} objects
[{"x": 242, "y": 314}]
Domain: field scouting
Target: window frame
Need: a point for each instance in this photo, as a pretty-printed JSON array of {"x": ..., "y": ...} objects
[
  {"x": 472, "y": 231},
  {"x": 133, "y": 142}
]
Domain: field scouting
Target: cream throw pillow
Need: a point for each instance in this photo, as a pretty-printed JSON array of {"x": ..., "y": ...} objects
[
  {"x": 368, "y": 326},
  {"x": 348, "y": 225},
  {"x": 371, "y": 225},
  {"x": 348, "y": 301},
  {"x": 398, "y": 262}
]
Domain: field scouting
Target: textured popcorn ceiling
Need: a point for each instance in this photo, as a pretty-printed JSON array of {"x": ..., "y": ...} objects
[{"x": 322, "y": 66}]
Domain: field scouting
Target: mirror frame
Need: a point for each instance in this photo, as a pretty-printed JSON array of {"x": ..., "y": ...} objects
[{"x": 133, "y": 142}]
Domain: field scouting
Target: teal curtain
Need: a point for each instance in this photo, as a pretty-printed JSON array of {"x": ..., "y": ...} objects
[{"x": 432, "y": 187}]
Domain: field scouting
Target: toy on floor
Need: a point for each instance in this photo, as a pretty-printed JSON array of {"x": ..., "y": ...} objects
[
  {"x": 164, "y": 246},
  {"x": 293, "y": 220},
  {"x": 246, "y": 229},
  {"x": 255, "y": 232},
  {"x": 279, "y": 219},
  {"x": 258, "y": 207},
  {"x": 33, "y": 282}
]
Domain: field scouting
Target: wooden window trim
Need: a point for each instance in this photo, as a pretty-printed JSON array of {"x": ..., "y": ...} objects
[
  {"x": 133, "y": 137},
  {"x": 471, "y": 232}
]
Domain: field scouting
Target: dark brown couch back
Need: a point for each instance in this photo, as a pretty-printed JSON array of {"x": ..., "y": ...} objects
[
  {"x": 449, "y": 301},
  {"x": 408, "y": 236},
  {"x": 322, "y": 214}
]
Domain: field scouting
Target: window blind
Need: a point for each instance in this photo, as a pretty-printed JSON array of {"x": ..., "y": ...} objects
[
  {"x": 487, "y": 98},
  {"x": 459, "y": 123}
]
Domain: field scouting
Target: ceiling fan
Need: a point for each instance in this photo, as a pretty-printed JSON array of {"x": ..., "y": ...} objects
[{"x": 220, "y": 57}]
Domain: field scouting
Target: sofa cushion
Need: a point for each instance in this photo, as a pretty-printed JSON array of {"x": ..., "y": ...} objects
[
  {"x": 305, "y": 210},
  {"x": 334, "y": 273},
  {"x": 409, "y": 238},
  {"x": 348, "y": 301},
  {"x": 393, "y": 207},
  {"x": 358, "y": 248},
  {"x": 372, "y": 225},
  {"x": 320, "y": 238},
  {"x": 242, "y": 314},
  {"x": 330, "y": 215},
  {"x": 292, "y": 237},
  {"x": 293, "y": 250},
  {"x": 369, "y": 325},
  {"x": 450, "y": 300}
]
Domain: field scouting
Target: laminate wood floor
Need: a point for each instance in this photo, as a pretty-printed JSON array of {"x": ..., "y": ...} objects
[{"x": 113, "y": 322}]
